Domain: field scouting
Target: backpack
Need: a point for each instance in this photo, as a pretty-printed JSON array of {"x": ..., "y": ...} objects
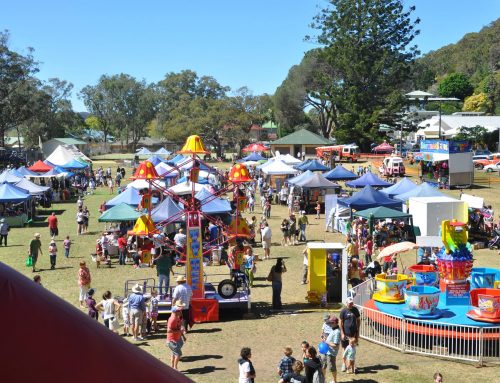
[{"x": 318, "y": 376}]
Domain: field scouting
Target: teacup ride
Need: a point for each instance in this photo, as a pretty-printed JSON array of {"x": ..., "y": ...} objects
[
  {"x": 390, "y": 288},
  {"x": 484, "y": 277},
  {"x": 424, "y": 275},
  {"x": 422, "y": 302},
  {"x": 486, "y": 305}
]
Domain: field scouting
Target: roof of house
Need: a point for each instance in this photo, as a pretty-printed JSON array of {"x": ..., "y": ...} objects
[
  {"x": 302, "y": 137},
  {"x": 148, "y": 141},
  {"x": 70, "y": 141},
  {"x": 269, "y": 125}
]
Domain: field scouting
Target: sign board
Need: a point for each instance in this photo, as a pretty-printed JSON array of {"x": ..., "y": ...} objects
[
  {"x": 457, "y": 294},
  {"x": 473, "y": 201},
  {"x": 437, "y": 146},
  {"x": 194, "y": 255}
]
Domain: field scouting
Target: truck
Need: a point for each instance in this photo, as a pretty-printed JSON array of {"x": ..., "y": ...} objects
[
  {"x": 392, "y": 166},
  {"x": 349, "y": 153}
]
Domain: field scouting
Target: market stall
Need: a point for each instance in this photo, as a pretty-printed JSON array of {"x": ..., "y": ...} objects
[
  {"x": 403, "y": 186},
  {"x": 277, "y": 172},
  {"x": 313, "y": 190},
  {"x": 368, "y": 179},
  {"x": 448, "y": 164},
  {"x": 339, "y": 173}
]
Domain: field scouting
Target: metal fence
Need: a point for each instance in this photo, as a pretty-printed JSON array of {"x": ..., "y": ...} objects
[{"x": 444, "y": 340}]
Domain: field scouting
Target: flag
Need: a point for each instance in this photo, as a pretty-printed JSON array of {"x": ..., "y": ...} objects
[{"x": 204, "y": 310}]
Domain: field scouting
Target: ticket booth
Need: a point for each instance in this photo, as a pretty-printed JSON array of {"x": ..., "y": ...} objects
[{"x": 327, "y": 274}]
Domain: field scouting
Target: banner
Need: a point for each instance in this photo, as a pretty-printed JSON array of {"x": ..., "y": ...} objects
[
  {"x": 204, "y": 310},
  {"x": 194, "y": 255}
]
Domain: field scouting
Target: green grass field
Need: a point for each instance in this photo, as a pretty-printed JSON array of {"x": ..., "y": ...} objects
[{"x": 212, "y": 349}]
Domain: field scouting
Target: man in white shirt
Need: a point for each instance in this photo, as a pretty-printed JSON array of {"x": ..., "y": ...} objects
[
  {"x": 183, "y": 293},
  {"x": 266, "y": 240},
  {"x": 180, "y": 240}
]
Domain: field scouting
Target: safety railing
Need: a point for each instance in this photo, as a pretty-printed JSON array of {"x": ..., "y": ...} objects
[{"x": 436, "y": 339}]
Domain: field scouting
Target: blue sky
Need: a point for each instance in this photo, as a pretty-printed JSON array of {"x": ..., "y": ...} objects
[{"x": 240, "y": 43}]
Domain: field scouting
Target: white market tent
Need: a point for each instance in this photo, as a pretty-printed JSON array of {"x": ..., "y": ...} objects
[
  {"x": 185, "y": 188},
  {"x": 140, "y": 184},
  {"x": 278, "y": 167},
  {"x": 288, "y": 159},
  {"x": 64, "y": 154},
  {"x": 31, "y": 187}
]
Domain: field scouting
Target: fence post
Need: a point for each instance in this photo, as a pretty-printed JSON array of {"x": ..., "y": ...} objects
[
  {"x": 402, "y": 338},
  {"x": 481, "y": 346}
]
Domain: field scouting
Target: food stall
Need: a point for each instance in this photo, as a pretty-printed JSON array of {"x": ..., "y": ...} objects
[{"x": 448, "y": 164}]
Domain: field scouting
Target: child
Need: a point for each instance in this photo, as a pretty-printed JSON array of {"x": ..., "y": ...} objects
[
  {"x": 53, "y": 254},
  {"x": 318, "y": 210},
  {"x": 67, "y": 246},
  {"x": 350, "y": 356},
  {"x": 126, "y": 317},
  {"x": 154, "y": 310},
  {"x": 146, "y": 321},
  {"x": 304, "y": 346},
  {"x": 285, "y": 364},
  {"x": 90, "y": 301}
]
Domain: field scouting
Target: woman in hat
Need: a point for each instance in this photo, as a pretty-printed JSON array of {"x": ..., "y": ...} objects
[
  {"x": 53, "y": 254},
  {"x": 35, "y": 247},
  {"x": 176, "y": 333}
]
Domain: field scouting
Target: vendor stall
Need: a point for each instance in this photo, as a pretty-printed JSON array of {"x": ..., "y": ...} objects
[
  {"x": 339, "y": 173},
  {"x": 314, "y": 188},
  {"x": 446, "y": 163},
  {"x": 277, "y": 172},
  {"x": 368, "y": 179}
]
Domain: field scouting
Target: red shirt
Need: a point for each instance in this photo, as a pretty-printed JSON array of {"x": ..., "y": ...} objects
[
  {"x": 122, "y": 243},
  {"x": 174, "y": 324},
  {"x": 52, "y": 220}
]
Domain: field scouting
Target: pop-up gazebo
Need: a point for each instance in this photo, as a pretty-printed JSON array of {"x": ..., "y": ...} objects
[
  {"x": 340, "y": 174},
  {"x": 367, "y": 198},
  {"x": 403, "y": 186},
  {"x": 368, "y": 179}
]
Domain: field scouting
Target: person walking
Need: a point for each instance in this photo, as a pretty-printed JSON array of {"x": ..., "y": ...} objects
[
  {"x": 249, "y": 263},
  {"x": 163, "y": 269},
  {"x": 305, "y": 266},
  {"x": 333, "y": 342},
  {"x": 349, "y": 324},
  {"x": 266, "y": 240},
  {"x": 110, "y": 308},
  {"x": 122, "y": 249},
  {"x": 183, "y": 293},
  {"x": 275, "y": 277},
  {"x": 53, "y": 254},
  {"x": 52, "y": 222},
  {"x": 4, "y": 231},
  {"x": 292, "y": 228},
  {"x": 176, "y": 334},
  {"x": 67, "y": 246},
  {"x": 303, "y": 222},
  {"x": 84, "y": 280},
  {"x": 137, "y": 306},
  {"x": 247, "y": 371},
  {"x": 35, "y": 248}
]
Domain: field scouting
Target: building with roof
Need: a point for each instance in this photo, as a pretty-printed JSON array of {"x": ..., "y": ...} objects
[
  {"x": 266, "y": 132},
  {"x": 49, "y": 146},
  {"x": 451, "y": 124},
  {"x": 301, "y": 143}
]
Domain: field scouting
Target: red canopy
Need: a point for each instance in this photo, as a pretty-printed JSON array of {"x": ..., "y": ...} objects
[
  {"x": 255, "y": 148},
  {"x": 50, "y": 340},
  {"x": 40, "y": 167},
  {"x": 384, "y": 148}
]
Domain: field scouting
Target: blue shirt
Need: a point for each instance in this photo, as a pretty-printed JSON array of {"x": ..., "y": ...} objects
[
  {"x": 333, "y": 337},
  {"x": 136, "y": 302}
]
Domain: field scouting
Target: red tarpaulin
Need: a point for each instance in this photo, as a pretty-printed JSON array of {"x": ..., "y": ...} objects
[
  {"x": 255, "y": 148},
  {"x": 49, "y": 340},
  {"x": 383, "y": 148},
  {"x": 40, "y": 167},
  {"x": 204, "y": 310}
]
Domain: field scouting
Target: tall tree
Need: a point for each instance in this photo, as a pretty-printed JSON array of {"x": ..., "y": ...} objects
[
  {"x": 368, "y": 45},
  {"x": 455, "y": 85}
]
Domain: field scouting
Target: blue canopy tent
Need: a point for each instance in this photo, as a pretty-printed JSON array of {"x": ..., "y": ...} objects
[
  {"x": 252, "y": 157},
  {"x": 403, "y": 186},
  {"x": 176, "y": 159},
  {"x": 155, "y": 160},
  {"x": 163, "y": 152},
  {"x": 300, "y": 177},
  {"x": 201, "y": 180},
  {"x": 314, "y": 166},
  {"x": 130, "y": 196},
  {"x": 422, "y": 190},
  {"x": 367, "y": 198},
  {"x": 31, "y": 187},
  {"x": 215, "y": 205},
  {"x": 53, "y": 172},
  {"x": 11, "y": 193},
  {"x": 165, "y": 210},
  {"x": 143, "y": 152},
  {"x": 339, "y": 173},
  {"x": 368, "y": 179},
  {"x": 26, "y": 172},
  {"x": 7, "y": 176},
  {"x": 316, "y": 181},
  {"x": 16, "y": 173},
  {"x": 74, "y": 164}
]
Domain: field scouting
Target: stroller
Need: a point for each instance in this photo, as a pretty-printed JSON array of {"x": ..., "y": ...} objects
[{"x": 495, "y": 242}]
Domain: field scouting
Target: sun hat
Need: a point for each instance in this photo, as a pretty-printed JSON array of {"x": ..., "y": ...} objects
[
  {"x": 37, "y": 235},
  {"x": 326, "y": 317},
  {"x": 53, "y": 241},
  {"x": 179, "y": 306},
  {"x": 180, "y": 279},
  {"x": 137, "y": 288}
]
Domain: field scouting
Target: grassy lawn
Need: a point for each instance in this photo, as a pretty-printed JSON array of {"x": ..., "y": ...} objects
[{"x": 212, "y": 349}]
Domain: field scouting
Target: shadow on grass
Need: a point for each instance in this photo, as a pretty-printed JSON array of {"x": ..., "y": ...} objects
[
  {"x": 49, "y": 212},
  {"x": 375, "y": 368},
  {"x": 205, "y": 331},
  {"x": 202, "y": 370},
  {"x": 364, "y": 381},
  {"x": 11, "y": 245},
  {"x": 195, "y": 358}
]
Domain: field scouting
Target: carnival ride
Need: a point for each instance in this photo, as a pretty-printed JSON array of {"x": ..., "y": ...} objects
[{"x": 233, "y": 291}]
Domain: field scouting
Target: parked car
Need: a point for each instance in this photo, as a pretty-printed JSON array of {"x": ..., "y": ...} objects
[
  {"x": 481, "y": 163},
  {"x": 492, "y": 167}
]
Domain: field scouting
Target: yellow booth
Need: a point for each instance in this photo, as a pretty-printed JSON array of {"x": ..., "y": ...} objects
[{"x": 327, "y": 273}]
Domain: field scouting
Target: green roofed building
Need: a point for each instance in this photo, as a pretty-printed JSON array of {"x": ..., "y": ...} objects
[{"x": 302, "y": 141}]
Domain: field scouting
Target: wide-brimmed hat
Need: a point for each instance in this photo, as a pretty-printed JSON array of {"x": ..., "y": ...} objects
[
  {"x": 53, "y": 241},
  {"x": 37, "y": 235},
  {"x": 179, "y": 306},
  {"x": 137, "y": 288},
  {"x": 181, "y": 279}
]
